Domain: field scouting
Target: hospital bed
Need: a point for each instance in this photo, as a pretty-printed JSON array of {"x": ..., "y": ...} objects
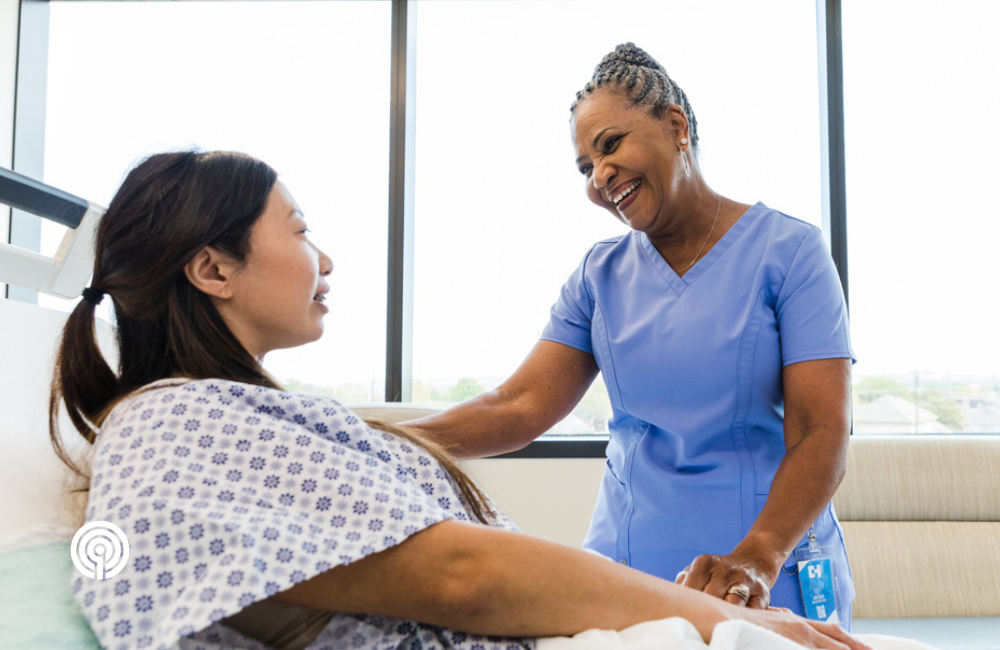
[{"x": 921, "y": 514}]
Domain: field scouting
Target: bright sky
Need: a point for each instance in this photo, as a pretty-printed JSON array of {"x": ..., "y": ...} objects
[
  {"x": 921, "y": 141},
  {"x": 501, "y": 217}
]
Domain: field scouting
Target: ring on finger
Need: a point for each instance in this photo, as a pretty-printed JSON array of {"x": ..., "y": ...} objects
[{"x": 740, "y": 591}]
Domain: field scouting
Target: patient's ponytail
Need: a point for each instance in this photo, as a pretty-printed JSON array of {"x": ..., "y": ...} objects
[{"x": 82, "y": 379}]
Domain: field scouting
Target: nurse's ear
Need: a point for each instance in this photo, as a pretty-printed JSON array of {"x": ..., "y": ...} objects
[
  {"x": 675, "y": 125},
  {"x": 212, "y": 272}
]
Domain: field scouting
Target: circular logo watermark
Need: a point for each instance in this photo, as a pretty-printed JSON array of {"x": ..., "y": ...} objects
[{"x": 99, "y": 550}]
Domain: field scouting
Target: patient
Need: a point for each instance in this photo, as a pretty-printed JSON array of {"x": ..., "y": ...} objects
[{"x": 262, "y": 518}]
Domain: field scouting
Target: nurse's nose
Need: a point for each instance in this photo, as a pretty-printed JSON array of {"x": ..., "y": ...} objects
[{"x": 603, "y": 175}]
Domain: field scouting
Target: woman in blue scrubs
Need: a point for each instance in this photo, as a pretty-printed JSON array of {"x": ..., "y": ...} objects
[{"x": 721, "y": 333}]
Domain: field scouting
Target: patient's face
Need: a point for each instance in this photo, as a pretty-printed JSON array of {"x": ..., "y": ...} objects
[{"x": 277, "y": 295}]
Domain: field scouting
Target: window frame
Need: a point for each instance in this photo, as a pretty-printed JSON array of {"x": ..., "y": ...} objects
[{"x": 29, "y": 147}]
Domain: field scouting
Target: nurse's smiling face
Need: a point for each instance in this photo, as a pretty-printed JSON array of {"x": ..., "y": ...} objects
[{"x": 630, "y": 159}]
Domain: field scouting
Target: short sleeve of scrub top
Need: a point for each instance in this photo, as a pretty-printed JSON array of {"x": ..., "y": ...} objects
[
  {"x": 571, "y": 315},
  {"x": 810, "y": 306}
]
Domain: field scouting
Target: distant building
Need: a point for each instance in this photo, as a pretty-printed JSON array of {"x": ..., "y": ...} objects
[
  {"x": 985, "y": 419},
  {"x": 891, "y": 414}
]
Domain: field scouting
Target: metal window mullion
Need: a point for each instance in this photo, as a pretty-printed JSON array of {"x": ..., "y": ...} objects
[
  {"x": 402, "y": 116},
  {"x": 29, "y": 122},
  {"x": 831, "y": 88}
]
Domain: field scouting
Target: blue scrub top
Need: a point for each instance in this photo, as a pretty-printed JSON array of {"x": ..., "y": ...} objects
[{"x": 693, "y": 367}]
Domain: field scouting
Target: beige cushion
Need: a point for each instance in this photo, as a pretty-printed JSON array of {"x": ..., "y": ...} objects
[
  {"x": 392, "y": 412},
  {"x": 921, "y": 478},
  {"x": 921, "y": 518},
  {"x": 934, "y": 569}
]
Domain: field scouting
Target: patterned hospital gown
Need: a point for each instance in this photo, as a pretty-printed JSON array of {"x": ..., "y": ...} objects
[{"x": 229, "y": 493}]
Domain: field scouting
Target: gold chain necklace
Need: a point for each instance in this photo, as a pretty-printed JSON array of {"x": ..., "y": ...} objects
[{"x": 698, "y": 255}]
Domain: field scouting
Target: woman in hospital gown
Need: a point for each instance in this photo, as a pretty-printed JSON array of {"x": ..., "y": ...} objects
[{"x": 239, "y": 499}]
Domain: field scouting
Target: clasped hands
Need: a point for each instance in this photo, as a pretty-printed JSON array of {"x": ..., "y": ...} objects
[{"x": 739, "y": 578}]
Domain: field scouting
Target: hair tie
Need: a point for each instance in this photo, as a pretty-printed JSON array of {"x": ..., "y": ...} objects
[{"x": 94, "y": 296}]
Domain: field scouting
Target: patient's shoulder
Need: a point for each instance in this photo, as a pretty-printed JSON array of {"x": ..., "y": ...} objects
[
  {"x": 186, "y": 406},
  {"x": 224, "y": 393}
]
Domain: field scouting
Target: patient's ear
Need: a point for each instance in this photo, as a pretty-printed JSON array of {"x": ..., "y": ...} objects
[{"x": 212, "y": 272}]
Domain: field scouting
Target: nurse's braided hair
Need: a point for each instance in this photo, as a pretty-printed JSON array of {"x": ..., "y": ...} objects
[{"x": 643, "y": 81}]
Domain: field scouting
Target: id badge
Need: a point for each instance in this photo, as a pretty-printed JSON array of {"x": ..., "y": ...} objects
[{"x": 819, "y": 587}]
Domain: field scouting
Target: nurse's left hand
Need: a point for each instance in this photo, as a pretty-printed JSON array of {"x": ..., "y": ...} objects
[{"x": 721, "y": 575}]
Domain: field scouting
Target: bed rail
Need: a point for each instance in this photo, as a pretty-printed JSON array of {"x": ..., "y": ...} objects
[{"x": 67, "y": 272}]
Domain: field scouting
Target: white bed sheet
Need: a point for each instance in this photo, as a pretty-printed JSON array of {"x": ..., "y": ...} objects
[{"x": 680, "y": 634}]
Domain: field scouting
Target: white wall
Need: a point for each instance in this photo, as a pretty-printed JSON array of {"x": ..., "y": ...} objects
[
  {"x": 8, "y": 77},
  {"x": 551, "y": 498}
]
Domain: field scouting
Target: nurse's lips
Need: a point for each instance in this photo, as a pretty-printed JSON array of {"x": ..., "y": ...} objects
[{"x": 625, "y": 194}]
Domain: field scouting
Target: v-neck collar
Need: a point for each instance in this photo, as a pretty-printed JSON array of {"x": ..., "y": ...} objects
[{"x": 680, "y": 283}]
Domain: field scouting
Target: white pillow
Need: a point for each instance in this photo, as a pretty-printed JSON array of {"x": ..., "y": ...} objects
[
  {"x": 35, "y": 486},
  {"x": 36, "y": 537}
]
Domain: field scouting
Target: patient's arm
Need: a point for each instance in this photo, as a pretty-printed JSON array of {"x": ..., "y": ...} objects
[
  {"x": 489, "y": 581},
  {"x": 541, "y": 392}
]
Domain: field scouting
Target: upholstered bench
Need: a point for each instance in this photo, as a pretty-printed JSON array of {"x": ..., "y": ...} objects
[{"x": 921, "y": 518}]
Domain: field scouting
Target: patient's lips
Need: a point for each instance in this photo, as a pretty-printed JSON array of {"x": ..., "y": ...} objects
[{"x": 320, "y": 296}]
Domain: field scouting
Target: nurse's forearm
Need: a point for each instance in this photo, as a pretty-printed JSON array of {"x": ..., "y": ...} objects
[
  {"x": 817, "y": 430},
  {"x": 805, "y": 482},
  {"x": 543, "y": 390},
  {"x": 487, "y": 425}
]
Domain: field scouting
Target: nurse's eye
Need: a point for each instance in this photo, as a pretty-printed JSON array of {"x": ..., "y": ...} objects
[
  {"x": 585, "y": 169},
  {"x": 612, "y": 143},
  {"x": 304, "y": 231}
]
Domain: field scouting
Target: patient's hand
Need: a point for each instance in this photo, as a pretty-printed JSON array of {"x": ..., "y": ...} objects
[{"x": 811, "y": 634}]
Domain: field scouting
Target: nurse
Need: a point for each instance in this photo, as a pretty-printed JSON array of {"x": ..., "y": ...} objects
[{"x": 721, "y": 333}]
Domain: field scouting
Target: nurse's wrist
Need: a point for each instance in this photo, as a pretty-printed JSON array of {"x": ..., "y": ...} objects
[{"x": 763, "y": 553}]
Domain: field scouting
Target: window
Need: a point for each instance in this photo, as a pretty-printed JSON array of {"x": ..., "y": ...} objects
[
  {"x": 501, "y": 219},
  {"x": 920, "y": 140},
  {"x": 281, "y": 81},
  {"x": 500, "y": 215}
]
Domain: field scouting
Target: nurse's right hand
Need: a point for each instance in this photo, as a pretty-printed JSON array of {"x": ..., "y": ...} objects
[{"x": 725, "y": 576}]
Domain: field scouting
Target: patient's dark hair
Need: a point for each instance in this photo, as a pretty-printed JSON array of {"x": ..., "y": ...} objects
[
  {"x": 643, "y": 81},
  {"x": 169, "y": 207}
]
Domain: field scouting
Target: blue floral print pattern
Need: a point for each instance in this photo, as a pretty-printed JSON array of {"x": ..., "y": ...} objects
[{"x": 230, "y": 493}]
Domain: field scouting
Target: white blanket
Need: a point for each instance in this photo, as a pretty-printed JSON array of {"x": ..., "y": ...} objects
[{"x": 680, "y": 634}]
